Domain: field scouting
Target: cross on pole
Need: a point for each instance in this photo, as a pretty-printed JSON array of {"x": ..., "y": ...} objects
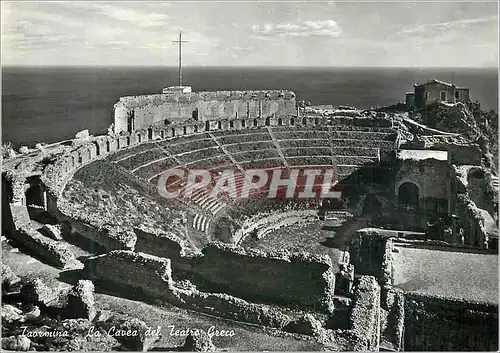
[{"x": 180, "y": 41}]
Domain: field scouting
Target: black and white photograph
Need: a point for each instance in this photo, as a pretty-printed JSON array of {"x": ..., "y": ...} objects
[{"x": 260, "y": 176}]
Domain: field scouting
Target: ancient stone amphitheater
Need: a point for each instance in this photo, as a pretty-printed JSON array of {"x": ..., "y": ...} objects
[{"x": 315, "y": 270}]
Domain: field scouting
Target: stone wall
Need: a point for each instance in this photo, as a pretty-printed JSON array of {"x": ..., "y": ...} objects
[
  {"x": 160, "y": 243},
  {"x": 17, "y": 226},
  {"x": 365, "y": 314},
  {"x": 201, "y": 106},
  {"x": 460, "y": 154},
  {"x": 430, "y": 176},
  {"x": 480, "y": 190},
  {"x": 141, "y": 276},
  {"x": 479, "y": 227},
  {"x": 292, "y": 279},
  {"x": 370, "y": 253},
  {"x": 392, "y": 300},
  {"x": 441, "y": 324},
  {"x": 147, "y": 277},
  {"x": 474, "y": 222}
]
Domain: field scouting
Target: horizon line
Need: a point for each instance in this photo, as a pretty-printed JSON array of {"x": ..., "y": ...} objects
[{"x": 246, "y": 66}]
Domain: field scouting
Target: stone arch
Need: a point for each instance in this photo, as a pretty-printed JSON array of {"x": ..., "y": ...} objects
[
  {"x": 408, "y": 193},
  {"x": 173, "y": 132},
  {"x": 162, "y": 133},
  {"x": 128, "y": 140},
  {"x": 268, "y": 121},
  {"x": 243, "y": 123},
  {"x": 207, "y": 125},
  {"x": 150, "y": 134},
  {"x": 280, "y": 121},
  {"x": 184, "y": 130},
  {"x": 231, "y": 124},
  {"x": 97, "y": 149},
  {"x": 255, "y": 122},
  {"x": 292, "y": 121},
  {"x": 219, "y": 125},
  {"x": 108, "y": 146}
]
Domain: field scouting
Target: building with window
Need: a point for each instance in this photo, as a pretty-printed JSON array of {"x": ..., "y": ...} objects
[{"x": 436, "y": 91}]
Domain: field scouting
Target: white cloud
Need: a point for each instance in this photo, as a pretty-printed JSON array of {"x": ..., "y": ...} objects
[
  {"x": 434, "y": 27},
  {"x": 327, "y": 28},
  {"x": 128, "y": 12}
]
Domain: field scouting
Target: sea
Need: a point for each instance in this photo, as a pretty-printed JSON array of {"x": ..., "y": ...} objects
[{"x": 49, "y": 104}]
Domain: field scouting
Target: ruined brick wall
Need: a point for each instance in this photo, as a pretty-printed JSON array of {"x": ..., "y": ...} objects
[
  {"x": 472, "y": 220},
  {"x": 392, "y": 300},
  {"x": 301, "y": 279},
  {"x": 160, "y": 243},
  {"x": 202, "y": 106},
  {"x": 17, "y": 226},
  {"x": 440, "y": 324},
  {"x": 479, "y": 189},
  {"x": 137, "y": 274},
  {"x": 140, "y": 275},
  {"x": 461, "y": 154},
  {"x": 365, "y": 314},
  {"x": 369, "y": 252},
  {"x": 431, "y": 176}
]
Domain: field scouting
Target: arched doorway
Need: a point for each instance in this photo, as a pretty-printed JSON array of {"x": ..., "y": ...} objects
[
  {"x": 150, "y": 134},
  {"x": 408, "y": 195},
  {"x": 207, "y": 125}
]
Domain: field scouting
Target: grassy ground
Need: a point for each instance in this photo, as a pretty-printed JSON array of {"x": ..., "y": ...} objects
[
  {"x": 246, "y": 337},
  {"x": 467, "y": 275},
  {"x": 320, "y": 237}
]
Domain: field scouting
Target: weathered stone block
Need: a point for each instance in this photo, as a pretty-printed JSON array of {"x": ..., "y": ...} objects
[
  {"x": 81, "y": 301},
  {"x": 16, "y": 343},
  {"x": 37, "y": 292}
]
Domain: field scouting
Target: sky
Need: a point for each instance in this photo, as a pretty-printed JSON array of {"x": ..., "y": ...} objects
[{"x": 402, "y": 34}]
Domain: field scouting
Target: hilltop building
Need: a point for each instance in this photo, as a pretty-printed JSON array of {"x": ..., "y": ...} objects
[{"x": 436, "y": 91}]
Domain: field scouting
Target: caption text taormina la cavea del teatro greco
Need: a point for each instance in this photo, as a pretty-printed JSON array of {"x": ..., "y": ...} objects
[{"x": 171, "y": 330}]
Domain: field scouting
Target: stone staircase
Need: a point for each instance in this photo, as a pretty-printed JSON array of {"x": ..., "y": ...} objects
[
  {"x": 278, "y": 148},
  {"x": 201, "y": 222}
]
